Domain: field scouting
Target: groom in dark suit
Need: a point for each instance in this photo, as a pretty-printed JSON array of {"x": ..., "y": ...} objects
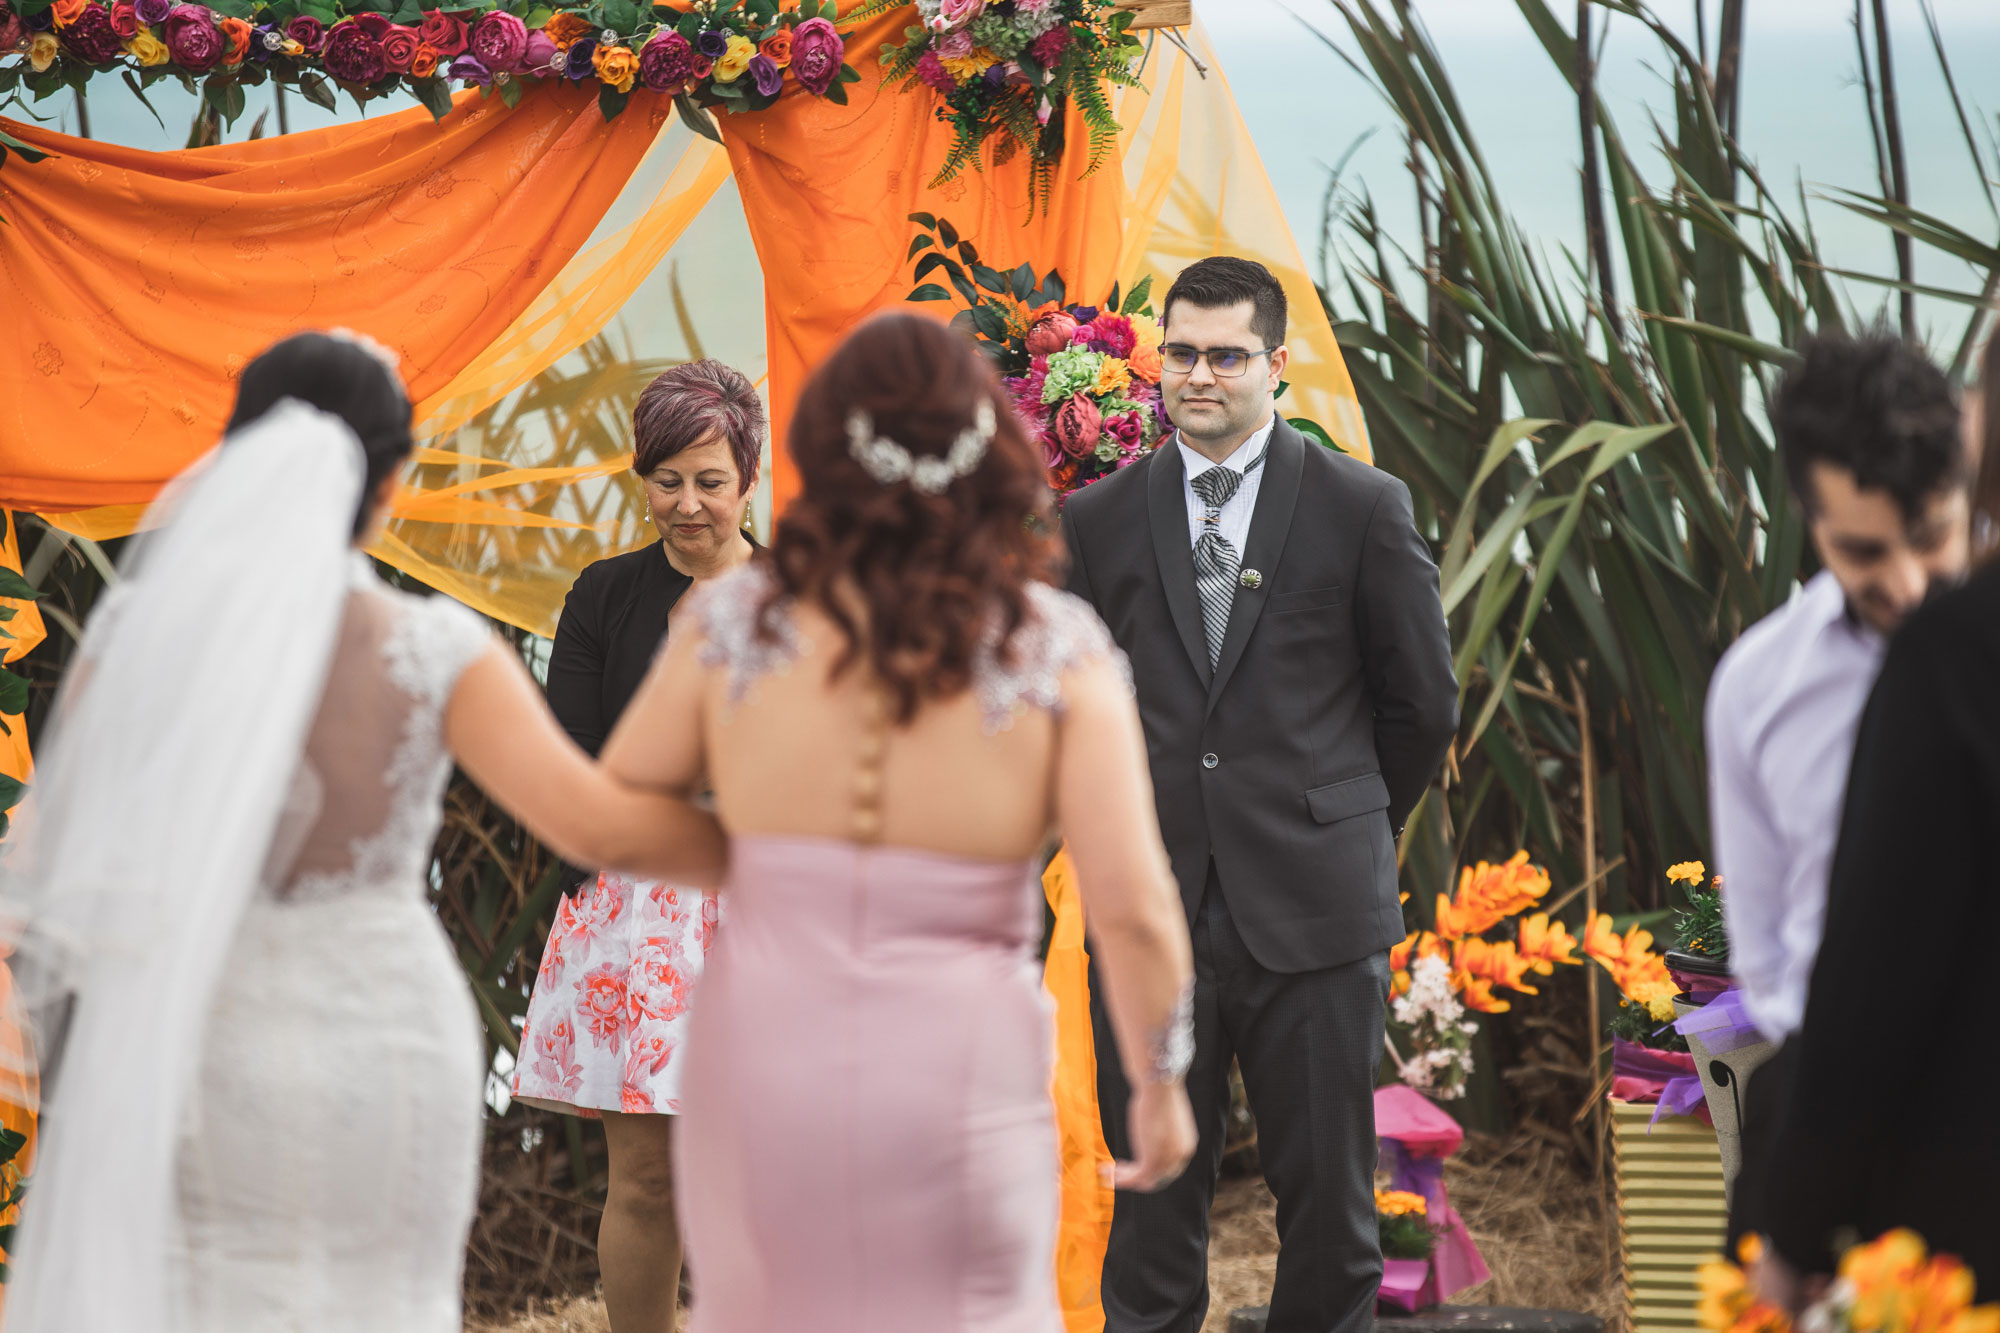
[{"x": 1295, "y": 681}]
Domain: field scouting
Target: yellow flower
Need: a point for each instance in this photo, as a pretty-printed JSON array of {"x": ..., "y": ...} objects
[
  {"x": 145, "y": 48},
  {"x": 1113, "y": 376},
  {"x": 292, "y": 48},
  {"x": 1398, "y": 1203},
  {"x": 735, "y": 60},
  {"x": 616, "y": 66},
  {"x": 42, "y": 51},
  {"x": 1687, "y": 872},
  {"x": 967, "y": 68}
]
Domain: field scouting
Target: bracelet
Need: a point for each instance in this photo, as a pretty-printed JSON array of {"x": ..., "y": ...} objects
[{"x": 1172, "y": 1047}]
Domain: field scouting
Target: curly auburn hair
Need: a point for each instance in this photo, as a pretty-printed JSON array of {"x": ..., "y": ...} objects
[{"x": 929, "y": 573}]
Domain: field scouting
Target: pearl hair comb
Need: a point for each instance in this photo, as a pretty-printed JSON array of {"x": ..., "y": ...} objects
[{"x": 889, "y": 462}]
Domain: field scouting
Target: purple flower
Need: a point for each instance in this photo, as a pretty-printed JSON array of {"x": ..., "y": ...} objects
[
  {"x": 500, "y": 40},
  {"x": 306, "y": 30},
  {"x": 995, "y": 75},
  {"x": 352, "y": 56},
  {"x": 816, "y": 54},
  {"x": 469, "y": 69},
  {"x": 193, "y": 40},
  {"x": 714, "y": 44},
  {"x": 261, "y": 43},
  {"x": 152, "y": 12},
  {"x": 1083, "y": 314},
  {"x": 764, "y": 72},
  {"x": 91, "y": 38},
  {"x": 578, "y": 64},
  {"x": 666, "y": 62},
  {"x": 43, "y": 19},
  {"x": 540, "y": 54}
]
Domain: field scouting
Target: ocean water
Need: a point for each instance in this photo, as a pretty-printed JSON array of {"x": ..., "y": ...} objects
[{"x": 1803, "y": 117}]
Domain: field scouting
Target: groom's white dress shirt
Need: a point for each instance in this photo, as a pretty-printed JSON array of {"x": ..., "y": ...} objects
[
  {"x": 1235, "y": 516},
  {"x": 1783, "y": 707}
]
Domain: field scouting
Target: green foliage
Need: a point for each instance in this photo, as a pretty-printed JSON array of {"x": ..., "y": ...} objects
[
  {"x": 1698, "y": 927},
  {"x": 1598, "y": 473},
  {"x": 1408, "y": 1236}
]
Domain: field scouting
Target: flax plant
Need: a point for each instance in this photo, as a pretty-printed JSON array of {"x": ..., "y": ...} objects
[{"x": 1591, "y": 457}]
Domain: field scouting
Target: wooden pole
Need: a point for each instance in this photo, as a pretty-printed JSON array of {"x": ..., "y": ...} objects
[{"x": 1589, "y": 757}]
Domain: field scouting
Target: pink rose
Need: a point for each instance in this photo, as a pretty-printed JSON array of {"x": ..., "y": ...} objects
[
  {"x": 399, "y": 47},
  {"x": 1127, "y": 428},
  {"x": 375, "y": 25},
  {"x": 954, "y": 45},
  {"x": 1078, "y": 425},
  {"x": 500, "y": 40},
  {"x": 817, "y": 50},
  {"x": 540, "y": 52},
  {"x": 958, "y": 13},
  {"x": 193, "y": 40},
  {"x": 1051, "y": 333},
  {"x": 308, "y": 32},
  {"x": 124, "y": 22},
  {"x": 445, "y": 32}
]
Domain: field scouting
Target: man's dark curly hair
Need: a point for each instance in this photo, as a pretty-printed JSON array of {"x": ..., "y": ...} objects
[{"x": 1875, "y": 406}]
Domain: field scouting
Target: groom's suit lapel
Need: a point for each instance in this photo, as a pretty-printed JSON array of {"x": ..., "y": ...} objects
[
  {"x": 1166, "y": 505},
  {"x": 1270, "y": 525}
]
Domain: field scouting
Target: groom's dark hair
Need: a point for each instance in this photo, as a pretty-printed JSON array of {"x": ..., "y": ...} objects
[
  {"x": 1875, "y": 406},
  {"x": 1224, "y": 280}
]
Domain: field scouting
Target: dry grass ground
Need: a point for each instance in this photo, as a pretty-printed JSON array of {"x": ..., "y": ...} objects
[{"x": 1541, "y": 1227}]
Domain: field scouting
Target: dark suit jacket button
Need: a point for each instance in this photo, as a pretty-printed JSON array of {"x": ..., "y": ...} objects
[{"x": 1209, "y": 761}]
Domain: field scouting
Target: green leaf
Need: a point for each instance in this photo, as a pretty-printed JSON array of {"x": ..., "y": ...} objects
[
  {"x": 1283, "y": 385},
  {"x": 920, "y": 243},
  {"x": 924, "y": 220},
  {"x": 435, "y": 94},
  {"x": 621, "y": 15},
  {"x": 538, "y": 17},
  {"x": 991, "y": 279},
  {"x": 966, "y": 253},
  {"x": 697, "y": 119},
  {"x": 1023, "y": 282},
  {"x": 11, "y": 791},
  {"x": 8, "y": 143},
  {"x": 988, "y": 321},
  {"x": 510, "y": 93},
  {"x": 1052, "y": 287},
  {"x": 930, "y": 291},
  {"x": 609, "y": 100},
  {"x": 1135, "y": 300},
  {"x": 947, "y": 234},
  {"x": 13, "y": 694},
  {"x": 689, "y": 25},
  {"x": 836, "y": 93},
  {"x": 317, "y": 90},
  {"x": 1312, "y": 430}
]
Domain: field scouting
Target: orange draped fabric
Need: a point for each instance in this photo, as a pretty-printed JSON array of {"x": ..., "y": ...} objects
[
  {"x": 1086, "y": 1197},
  {"x": 20, "y": 1092},
  {"x": 827, "y": 190},
  {"x": 137, "y": 284}
]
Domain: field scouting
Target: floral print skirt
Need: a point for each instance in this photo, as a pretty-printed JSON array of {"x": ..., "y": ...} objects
[{"x": 610, "y": 1007}]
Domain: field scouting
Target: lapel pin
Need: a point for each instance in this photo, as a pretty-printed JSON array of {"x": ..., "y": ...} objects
[{"x": 1251, "y": 579}]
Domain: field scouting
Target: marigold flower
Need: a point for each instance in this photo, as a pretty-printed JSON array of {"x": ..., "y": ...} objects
[
  {"x": 1489, "y": 894},
  {"x": 967, "y": 68},
  {"x": 565, "y": 29},
  {"x": 1637, "y": 971},
  {"x": 1400, "y": 1203},
  {"x": 1113, "y": 376},
  {"x": 1687, "y": 872}
]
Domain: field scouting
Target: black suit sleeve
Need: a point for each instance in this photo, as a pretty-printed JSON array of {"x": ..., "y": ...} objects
[
  {"x": 1079, "y": 576},
  {"x": 1405, "y": 651},
  {"x": 576, "y": 667},
  {"x": 1907, "y": 873}
]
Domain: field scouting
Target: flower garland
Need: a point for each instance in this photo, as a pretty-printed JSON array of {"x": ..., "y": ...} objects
[
  {"x": 736, "y": 55},
  {"x": 1011, "y": 68}
]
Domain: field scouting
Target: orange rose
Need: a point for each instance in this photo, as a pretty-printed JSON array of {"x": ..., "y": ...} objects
[
  {"x": 678, "y": 6},
  {"x": 617, "y": 66},
  {"x": 238, "y": 33},
  {"x": 1145, "y": 363},
  {"x": 425, "y": 62},
  {"x": 66, "y": 11},
  {"x": 777, "y": 48},
  {"x": 565, "y": 29}
]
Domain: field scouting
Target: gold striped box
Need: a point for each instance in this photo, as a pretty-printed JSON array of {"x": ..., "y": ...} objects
[{"x": 1672, "y": 1213}]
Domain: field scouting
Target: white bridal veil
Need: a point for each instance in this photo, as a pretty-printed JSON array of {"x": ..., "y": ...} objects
[{"x": 153, "y": 813}]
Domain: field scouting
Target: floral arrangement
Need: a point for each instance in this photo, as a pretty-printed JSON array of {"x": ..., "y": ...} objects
[
  {"x": 1010, "y": 68},
  {"x": 1890, "y": 1285},
  {"x": 1403, "y": 1222},
  {"x": 738, "y": 55},
  {"x": 1085, "y": 379},
  {"x": 1698, "y": 927},
  {"x": 1442, "y": 975}
]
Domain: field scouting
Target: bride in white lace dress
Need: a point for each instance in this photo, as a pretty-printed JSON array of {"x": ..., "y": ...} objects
[{"x": 266, "y": 1113}]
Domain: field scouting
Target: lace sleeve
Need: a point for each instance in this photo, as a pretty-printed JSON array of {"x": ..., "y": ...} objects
[
  {"x": 1061, "y": 633},
  {"x": 725, "y": 614},
  {"x": 433, "y": 642}
]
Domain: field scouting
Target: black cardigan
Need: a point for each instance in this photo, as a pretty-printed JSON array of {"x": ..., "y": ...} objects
[
  {"x": 1892, "y": 1117},
  {"x": 613, "y": 622}
]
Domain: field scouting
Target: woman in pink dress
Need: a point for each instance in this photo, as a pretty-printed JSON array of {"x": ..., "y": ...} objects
[{"x": 896, "y": 709}]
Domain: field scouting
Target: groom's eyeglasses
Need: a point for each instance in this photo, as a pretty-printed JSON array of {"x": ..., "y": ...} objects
[{"x": 1223, "y": 362}]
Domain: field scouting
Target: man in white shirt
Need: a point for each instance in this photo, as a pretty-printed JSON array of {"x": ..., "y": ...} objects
[
  {"x": 1870, "y": 439},
  {"x": 1869, "y": 435}
]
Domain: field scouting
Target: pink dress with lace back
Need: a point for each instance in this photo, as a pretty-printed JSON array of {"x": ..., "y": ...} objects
[{"x": 868, "y": 1141}]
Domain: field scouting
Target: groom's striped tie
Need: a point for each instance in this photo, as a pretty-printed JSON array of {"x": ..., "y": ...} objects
[{"x": 1216, "y": 562}]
